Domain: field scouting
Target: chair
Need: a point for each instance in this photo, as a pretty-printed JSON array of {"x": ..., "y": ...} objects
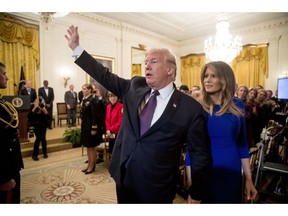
[
  {"x": 104, "y": 148},
  {"x": 61, "y": 113},
  {"x": 269, "y": 163}
]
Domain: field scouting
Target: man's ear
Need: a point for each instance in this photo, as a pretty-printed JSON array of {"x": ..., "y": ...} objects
[{"x": 170, "y": 71}]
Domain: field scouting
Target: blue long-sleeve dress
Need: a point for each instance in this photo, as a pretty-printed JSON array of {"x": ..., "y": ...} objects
[{"x": 229, "y": 145}]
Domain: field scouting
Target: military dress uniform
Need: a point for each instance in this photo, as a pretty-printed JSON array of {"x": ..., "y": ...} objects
[
  {"x": 10, "y": 152},
  {"x": 92, "y": 119}
]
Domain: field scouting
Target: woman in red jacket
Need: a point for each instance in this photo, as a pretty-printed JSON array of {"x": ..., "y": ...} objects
[{"x": 114, "y": 111}]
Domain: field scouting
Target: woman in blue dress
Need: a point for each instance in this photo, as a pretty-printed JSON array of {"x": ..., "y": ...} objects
[{"x": 227, "y": 131}]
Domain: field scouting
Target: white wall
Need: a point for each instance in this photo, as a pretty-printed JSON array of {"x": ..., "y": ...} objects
[{"x": 111, "y": 39}]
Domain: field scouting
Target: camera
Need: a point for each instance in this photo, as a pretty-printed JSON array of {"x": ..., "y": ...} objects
[
  {"x": 31, "y": 131},
  {"x": 41, "y": 104}
]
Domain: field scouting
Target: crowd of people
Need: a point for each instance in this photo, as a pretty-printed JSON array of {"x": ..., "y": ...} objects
[
  {"x": 216, "y": 123},
  {"x": 260, "y": 106}
]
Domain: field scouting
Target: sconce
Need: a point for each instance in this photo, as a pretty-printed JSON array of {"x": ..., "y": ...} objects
[{"x": 66, "y": 78}]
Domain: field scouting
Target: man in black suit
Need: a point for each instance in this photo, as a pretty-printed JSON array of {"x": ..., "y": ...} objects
[
  {"x": 70, "y": 99},
  {"x": 80, "y": 96},
  {"x": 47, "y": 93},
  {"x": 28, "y": 90},
  {"x": 145, "y": 166}
]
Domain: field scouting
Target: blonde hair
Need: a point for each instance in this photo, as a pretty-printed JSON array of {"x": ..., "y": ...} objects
[
  {"x": 246, "y": 89},
  {"x": 227, "y": 79},
  {"x": 168, "y": 57}
]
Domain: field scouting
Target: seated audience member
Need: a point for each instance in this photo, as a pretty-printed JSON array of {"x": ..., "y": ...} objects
[
  {"x": 114, "y": 112},
  {"x": 263, "y": 113},
  {"x": 251, "y": 115}
]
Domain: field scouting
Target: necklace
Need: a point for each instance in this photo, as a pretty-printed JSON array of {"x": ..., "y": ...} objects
[{"x": 9, "y": 108}]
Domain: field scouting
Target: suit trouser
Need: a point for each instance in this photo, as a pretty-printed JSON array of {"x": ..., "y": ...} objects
[
  {"x": 124, "y": 196},
  {"x": 50, "y": 112},
  {"x": 40, "y": 133},
  {"x": 71, "y": 116}
]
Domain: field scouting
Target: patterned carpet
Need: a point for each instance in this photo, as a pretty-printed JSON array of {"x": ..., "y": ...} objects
[{"x": 59, "y": 180}]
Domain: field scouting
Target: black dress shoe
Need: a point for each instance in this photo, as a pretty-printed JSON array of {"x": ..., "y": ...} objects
[
  {"x": 45, "y": 156},
  {"x": 84, "y": 170},
  {"x": 89, "y": 172},
  {"x": 35, "y": 158}
]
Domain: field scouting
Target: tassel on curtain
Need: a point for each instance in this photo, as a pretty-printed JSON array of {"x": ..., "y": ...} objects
[{"x": 22, "y": 81}]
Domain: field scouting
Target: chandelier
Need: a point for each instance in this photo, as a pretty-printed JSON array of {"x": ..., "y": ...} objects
[
  {"x": 223, "y": 47},
  {"x": 47, "y": 17}
]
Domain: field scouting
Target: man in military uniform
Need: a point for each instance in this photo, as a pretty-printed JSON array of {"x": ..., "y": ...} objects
[{"x": 10, "y": 153}]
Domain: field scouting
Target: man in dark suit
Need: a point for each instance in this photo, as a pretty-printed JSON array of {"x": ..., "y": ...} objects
[
  {"x": 28, "y": 90},
  {"x": 145, "y": 166},
  {"x": 47, "y": 93},
  {"x": 80, "y": 96},
  {"x": 70, "y": 99}
]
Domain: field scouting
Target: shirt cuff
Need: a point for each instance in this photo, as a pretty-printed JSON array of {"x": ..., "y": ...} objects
[{"x": 77, "y": 52}]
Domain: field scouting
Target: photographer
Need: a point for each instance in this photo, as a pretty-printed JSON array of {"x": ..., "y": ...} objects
[{"x": 38, "y": 120}]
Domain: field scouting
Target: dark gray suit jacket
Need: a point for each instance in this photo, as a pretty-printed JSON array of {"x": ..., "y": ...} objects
[
  {"x": 149, "y": 164},
  {"x": 70, "y": 99}
]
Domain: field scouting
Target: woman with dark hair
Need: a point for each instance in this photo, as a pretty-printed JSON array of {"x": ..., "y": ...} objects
[
  {"x": 91, "y": 126},
  {"x": 114, "y": 112},
  {"x": 39, "y": 121}
]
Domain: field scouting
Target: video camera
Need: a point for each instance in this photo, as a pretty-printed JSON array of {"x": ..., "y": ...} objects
[{"x": 31, "y": 131}]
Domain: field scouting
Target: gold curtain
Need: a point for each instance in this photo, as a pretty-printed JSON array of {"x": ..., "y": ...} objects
[
  {"x": 19, "y": 46},
  {"x": 251, "y": 65},
  {"x": 136, "y": 70},
  {"x": 191, "y": 66}
]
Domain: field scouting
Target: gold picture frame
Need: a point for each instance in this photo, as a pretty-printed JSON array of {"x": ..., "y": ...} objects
[{"x": 106, "y": 62}]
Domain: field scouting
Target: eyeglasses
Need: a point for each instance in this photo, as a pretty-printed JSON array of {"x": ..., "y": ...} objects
[{"x": 111, "y": 95}]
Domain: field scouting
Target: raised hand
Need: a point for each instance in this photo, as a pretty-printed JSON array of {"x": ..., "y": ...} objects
[{"x": 73, "y": 37}]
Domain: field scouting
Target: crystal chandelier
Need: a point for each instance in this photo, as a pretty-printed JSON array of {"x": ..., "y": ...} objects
[
  {"x": 47, "y": 17},
  {"x": 223, "y": 47}
]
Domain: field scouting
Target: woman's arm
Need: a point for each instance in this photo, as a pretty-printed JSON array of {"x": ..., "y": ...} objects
[{"x": 249, "y": 190}]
